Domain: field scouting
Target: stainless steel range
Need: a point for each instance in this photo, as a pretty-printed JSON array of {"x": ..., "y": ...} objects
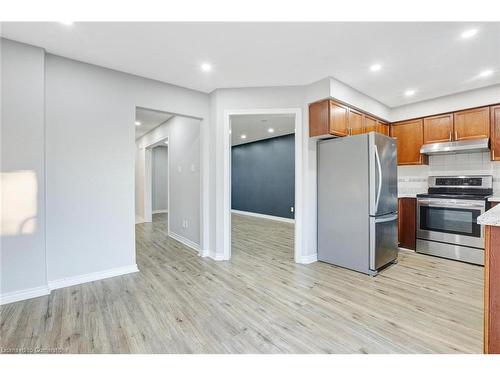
[{"x": 447, "y": 217}]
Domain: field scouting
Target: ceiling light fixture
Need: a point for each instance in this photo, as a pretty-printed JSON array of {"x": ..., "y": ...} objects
[
  {"x": 138, "y": 123},
  {"x": 206, "y": 67},
  {"x": 270, "y": 130},
  {"x": 67, "y": 23},
  {"x": 375, "y": 67},
  {"x": 243, "y": 136},
  {"x": 486, "y": 73},
  {"x": 410, "y": 92},
  {"x": 469, "y": 33}
]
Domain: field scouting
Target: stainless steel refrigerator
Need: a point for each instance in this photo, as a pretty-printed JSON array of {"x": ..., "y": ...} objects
[{"x": 358, "y": 202}]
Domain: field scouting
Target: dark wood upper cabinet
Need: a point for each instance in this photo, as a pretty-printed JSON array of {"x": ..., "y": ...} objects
[
  {"x": 370, "y": 124},
  {"x": 339, "y": 119},
  {"x": 330, "y": 118},
  {"x": 495, "y": 132},
  {"x": 319, "y": 113},
  {"x": 356, "y": 122},
  {"x": 438, "y": 128},
  {"x": 410, "y": 138},
  {"x": 383, "y": 128},
  {"x": 472, "y": 124}
]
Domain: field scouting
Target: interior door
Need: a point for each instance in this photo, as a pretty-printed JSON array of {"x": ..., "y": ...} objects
[{"x": 385, "y": 159}]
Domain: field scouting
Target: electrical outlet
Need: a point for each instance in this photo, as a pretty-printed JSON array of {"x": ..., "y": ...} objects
[
  {"x": 291, "y": 209},
  {"x": 185, "y": 223}
]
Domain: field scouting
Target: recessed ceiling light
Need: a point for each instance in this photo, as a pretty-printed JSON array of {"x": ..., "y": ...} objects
[
  {"x": 270, "y": 130},
  {"x": 375, "y": 67},
  {"x": 410, "y": 92},
  {"x": 486, "y": 73},
  {"x": 469, "y": 33},
  {"x": 67, "y": 23},
  {"x": 243, "y": 136},
  {"x": 206, "y": 67},
  {"x": 138, "y": 123}
]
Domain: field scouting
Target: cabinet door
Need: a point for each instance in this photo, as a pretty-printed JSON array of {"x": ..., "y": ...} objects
[
  {"x": 407, "y": 223},
  {"x": 338, "y": 119},
  {"x": 410, "y": 137},
  {"x": 472, "y": 124},
  {"x": 370, "y": 124},
  {"x": 356, "y": 125},
  {"x": 495, "y": 132},
  {"x": 383, "y": 128},
  {"x": 438, "y": 128},
  {"x": 318, "y": 118}
]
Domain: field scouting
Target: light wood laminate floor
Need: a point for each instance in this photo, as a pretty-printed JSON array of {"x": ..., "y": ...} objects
[{"x": 259, "y": 302}]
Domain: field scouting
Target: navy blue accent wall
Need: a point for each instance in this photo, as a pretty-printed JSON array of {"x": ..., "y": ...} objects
[{"x": 263, "y": 176}]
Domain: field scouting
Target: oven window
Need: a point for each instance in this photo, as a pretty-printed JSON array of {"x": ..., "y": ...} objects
[{"x": 450, "y": 220}]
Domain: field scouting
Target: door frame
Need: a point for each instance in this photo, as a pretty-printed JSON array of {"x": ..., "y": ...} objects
[
  {"x": 299, "y": 255},
  {"x": 148, "y": 180}
]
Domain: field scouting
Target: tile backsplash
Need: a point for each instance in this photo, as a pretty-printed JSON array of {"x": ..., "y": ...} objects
[{"x": 413, "y": 179}]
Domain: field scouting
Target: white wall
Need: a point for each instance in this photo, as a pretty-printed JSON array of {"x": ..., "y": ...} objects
[
  {"x": 160, "y": 179},
  {"x": 184, "y": 174},
  {"x": 90, "y": 161},
  {"x": 468, "y": 99},
  {"x": 22, "y": 254}
]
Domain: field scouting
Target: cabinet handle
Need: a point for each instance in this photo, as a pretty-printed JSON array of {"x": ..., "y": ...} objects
[
  {"x": 450, "y": 135},
  {"x": 492, "y": 154},
  {"x": 456, "y": 135}
]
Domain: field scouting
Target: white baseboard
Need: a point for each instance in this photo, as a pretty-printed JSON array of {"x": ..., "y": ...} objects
[
  {"x": 160, "y": 212},
  {"x": 185, "y": 241},
  {"x": 24, "y": 294},
  {"x": 94, "y": 276},
  {"x": 262, "y": 216},
  {"x": 307, "y": 259}
]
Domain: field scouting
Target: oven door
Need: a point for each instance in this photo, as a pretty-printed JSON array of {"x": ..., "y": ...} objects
[{"x": 452, "y": 221}]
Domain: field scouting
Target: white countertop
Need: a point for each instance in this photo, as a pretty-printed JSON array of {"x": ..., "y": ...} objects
[
  {"x": 490, "y": 217},
  {"x": 495, "y": 198}
]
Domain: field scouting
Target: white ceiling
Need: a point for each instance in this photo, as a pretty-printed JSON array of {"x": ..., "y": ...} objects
[
  {"x": 431, "y": 58},
  {"x": 149, "y": 120},
  {"x": 256, "y": 127}
]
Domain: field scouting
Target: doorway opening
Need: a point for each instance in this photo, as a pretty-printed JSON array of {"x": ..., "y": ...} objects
[
  {"x": 263, "y": 159},
  {"x": 168, "y": 157}
]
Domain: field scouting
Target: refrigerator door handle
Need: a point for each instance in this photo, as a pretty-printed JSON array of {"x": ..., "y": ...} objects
[{"x": 379, "y": 167}]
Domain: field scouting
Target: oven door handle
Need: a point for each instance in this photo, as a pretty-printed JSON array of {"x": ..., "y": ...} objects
[{"x": 451, "y": 205}]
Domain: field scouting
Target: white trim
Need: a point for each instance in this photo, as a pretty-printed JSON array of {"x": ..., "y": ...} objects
[
  {"x": 264, "y": 216},
  {"x": 226, "y": 190},
  {"x": 185, "y": 241},
  {"x": 139, "y": 219},
  {"x": 307, "y": 259},
  {"x": 94, "y": 276},
  {"x": 160, "y": 211},
  {"x": 24, "y": 294}
]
